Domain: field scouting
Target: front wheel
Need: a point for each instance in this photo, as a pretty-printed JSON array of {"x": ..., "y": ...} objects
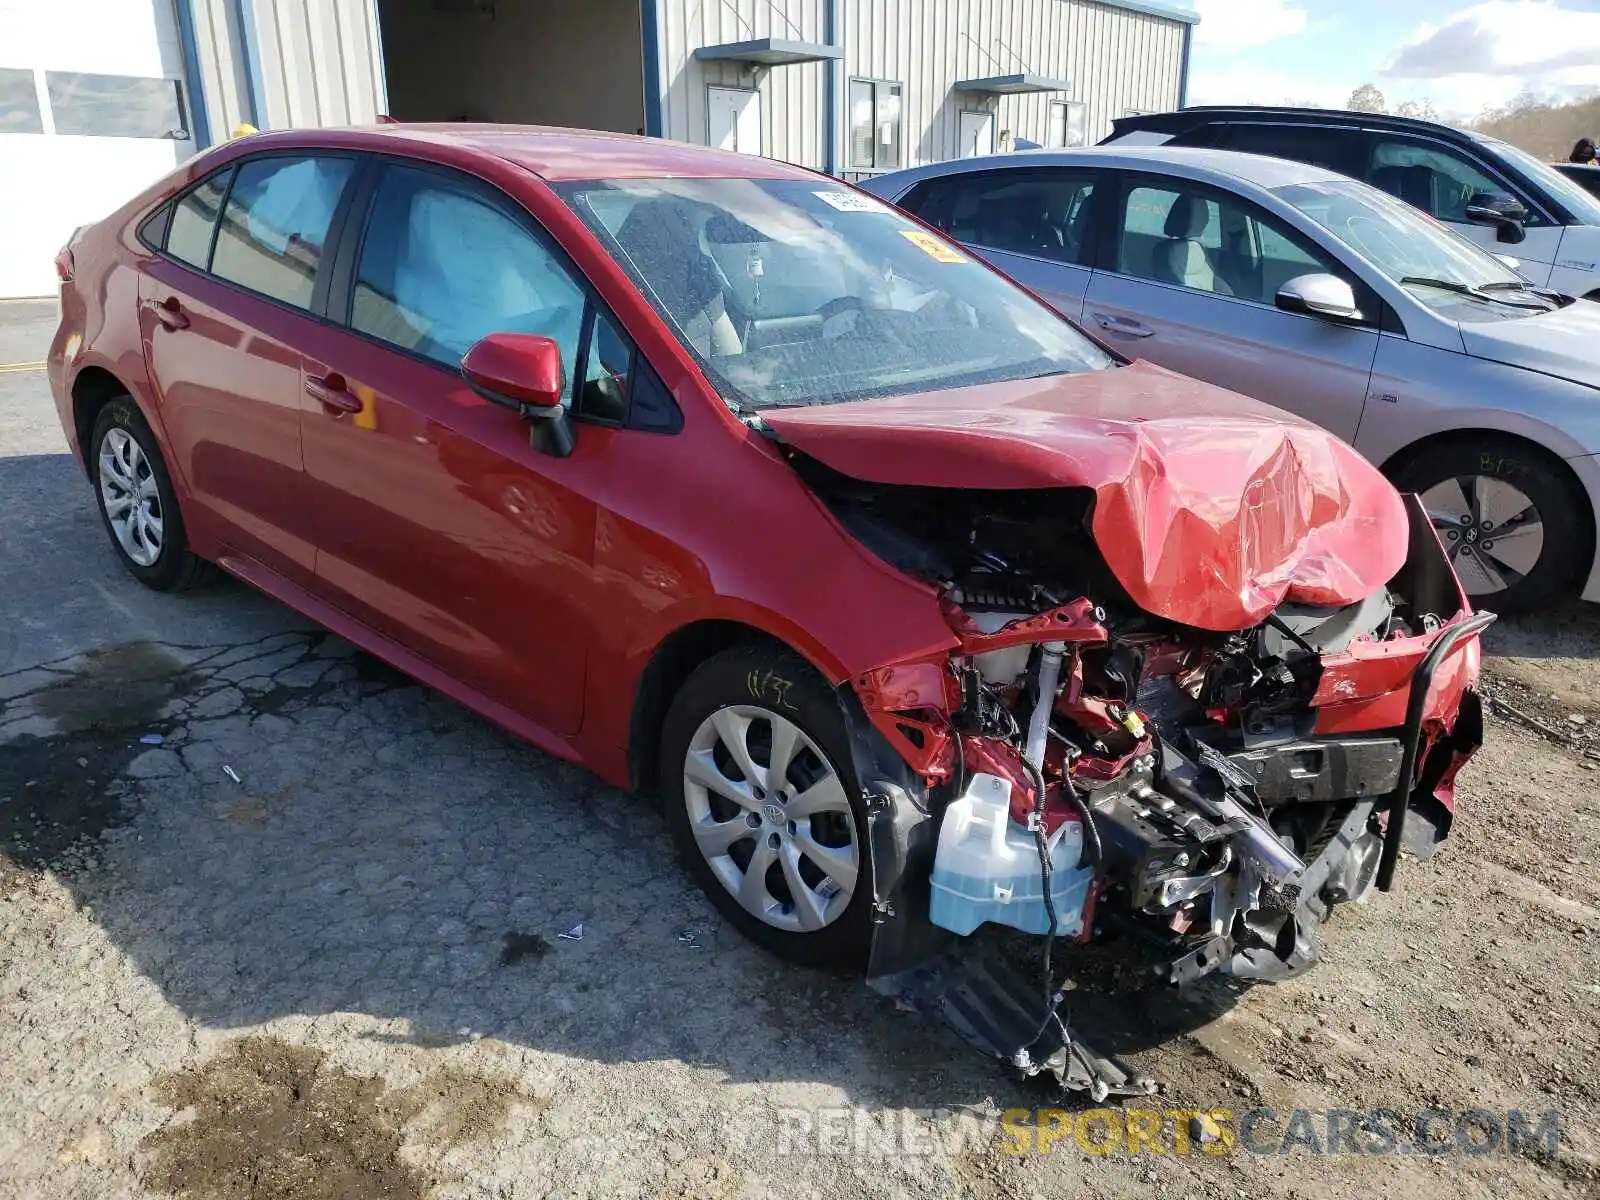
[
  {"x": 764, "y": 804},
  {"x": 1512, "y": 522}
]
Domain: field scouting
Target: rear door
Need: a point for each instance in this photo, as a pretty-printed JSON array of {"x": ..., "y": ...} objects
[
  {"x": 1187, "y": 277},
  {"x": 224, "y": 311},
  {"x": 1035, "y": 224}
]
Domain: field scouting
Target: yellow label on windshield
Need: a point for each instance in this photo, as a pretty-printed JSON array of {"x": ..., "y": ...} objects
[{"x": 932, "y": 246}]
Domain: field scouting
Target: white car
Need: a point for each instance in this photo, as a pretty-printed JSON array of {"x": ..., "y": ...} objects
[
  {"x": 1503, "y": 198},
  {"x": 1329, "y": 298}
]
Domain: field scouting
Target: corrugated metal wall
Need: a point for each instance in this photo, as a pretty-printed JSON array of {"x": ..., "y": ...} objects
[
  {"x": 319, "y": 61},
  {"x": 792, "y": 97},
  {"x": 1115, "y": 59},
  {"x": 311, "y": 62}
]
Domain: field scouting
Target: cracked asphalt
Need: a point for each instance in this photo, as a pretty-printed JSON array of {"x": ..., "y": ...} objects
[{"x": 277, "y": 922}]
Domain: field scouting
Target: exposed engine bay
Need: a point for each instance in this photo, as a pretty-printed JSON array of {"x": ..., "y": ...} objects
[{"x": 1092, "y": 766}]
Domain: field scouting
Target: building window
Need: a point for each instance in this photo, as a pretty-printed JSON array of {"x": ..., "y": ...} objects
[
  {"x": 874, "y": 125},
  {"x": 116, "y": 105},
  {"x": 1069, "y": 124},
  {"x": 19, "y": 102}
]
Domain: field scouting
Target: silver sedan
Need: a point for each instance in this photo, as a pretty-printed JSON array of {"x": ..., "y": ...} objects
[{"x": 1328, "y": 298}]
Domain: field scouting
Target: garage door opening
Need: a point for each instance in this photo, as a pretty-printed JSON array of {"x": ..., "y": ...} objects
[{"x": 529, "y": 62}]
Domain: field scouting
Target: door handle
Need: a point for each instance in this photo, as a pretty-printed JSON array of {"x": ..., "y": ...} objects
[
  {"x": 1122, "y": 326},
  {"x": 330, "y": 391},
  {"x": 170, "y": 313}
]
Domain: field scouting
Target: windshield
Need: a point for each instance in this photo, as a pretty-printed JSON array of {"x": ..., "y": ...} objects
[
  {"x": 1404, "y": 244},
  {"x": 1585, "y": 209},
  {"x": 806, "y": 292}
]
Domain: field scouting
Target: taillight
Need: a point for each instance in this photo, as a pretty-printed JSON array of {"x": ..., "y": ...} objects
[{"x": 64, "y": 263}]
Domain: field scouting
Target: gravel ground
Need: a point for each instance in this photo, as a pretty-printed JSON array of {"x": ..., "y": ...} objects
[{"x": 277, "y": 923}]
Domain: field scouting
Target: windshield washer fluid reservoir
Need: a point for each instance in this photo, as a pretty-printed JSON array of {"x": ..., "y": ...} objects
[{"x": 987, "y": 867}]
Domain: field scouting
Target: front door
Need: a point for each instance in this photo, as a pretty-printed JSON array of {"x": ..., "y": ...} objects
[
  {"x": 223, "y": 314},
  {"x": 1190, "y": 284},
  {"x": 439, "y": 525}
]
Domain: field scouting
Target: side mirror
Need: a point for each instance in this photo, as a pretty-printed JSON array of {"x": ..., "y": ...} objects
[
  {"x": 1506, "y": 212},
  {"x": 1320, "y": 295},
  {"x": 523, "y": 371}
]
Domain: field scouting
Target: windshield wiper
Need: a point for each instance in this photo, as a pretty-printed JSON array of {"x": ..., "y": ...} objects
[
  {"x": 1484, "y": 292},
  {"x": 1516, "y": 285}
]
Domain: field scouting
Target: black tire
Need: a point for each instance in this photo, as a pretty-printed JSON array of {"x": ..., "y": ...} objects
[
  {"x": 768, "y": 677},
  {"x": 1560, "y": 504},
  {"x": 175, "y": 568}
]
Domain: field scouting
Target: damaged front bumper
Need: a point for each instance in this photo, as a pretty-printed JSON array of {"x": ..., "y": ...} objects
[{"x": 1227, "y": 824}]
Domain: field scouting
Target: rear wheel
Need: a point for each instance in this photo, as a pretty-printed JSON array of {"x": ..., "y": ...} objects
[
  {"x": 764, "y": 805},
  {"x": 1511, "y": 521},
  {"x": 137, "y": 501}
]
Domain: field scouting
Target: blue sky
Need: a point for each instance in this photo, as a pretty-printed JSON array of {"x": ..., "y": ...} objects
[{"x": 1461, "y": 57}]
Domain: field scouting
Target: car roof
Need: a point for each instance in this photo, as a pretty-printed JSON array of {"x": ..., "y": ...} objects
[
  {"x": 1223, "y": 166},
  {"x": 552, "y": 153},
  {"x": 1183, "y": 119}
]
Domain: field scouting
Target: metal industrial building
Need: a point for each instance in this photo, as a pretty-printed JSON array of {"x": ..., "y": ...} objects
[{"x": 99, "y": 97}]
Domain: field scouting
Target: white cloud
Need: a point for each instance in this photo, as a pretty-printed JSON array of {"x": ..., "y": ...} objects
[
  {"x": 1241, "y": 84},
  {"x": 1230, "y": 25},
  {"x": 1527, "y": 40}
]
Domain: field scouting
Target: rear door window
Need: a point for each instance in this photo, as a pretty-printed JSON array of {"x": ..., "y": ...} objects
[
  {"x": 276, "y": 224},
  {"x": 1044, "y": 213}
]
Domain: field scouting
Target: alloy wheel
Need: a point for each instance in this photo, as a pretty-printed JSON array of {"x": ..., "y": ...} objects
[
  {"x": 1491, "y": 530},
  {"x": 131, "y": 497},
  {"x": 769, "y": 813}
]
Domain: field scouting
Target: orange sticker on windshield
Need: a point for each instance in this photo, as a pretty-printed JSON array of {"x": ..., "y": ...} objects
[{"x": 932, "y": 246}]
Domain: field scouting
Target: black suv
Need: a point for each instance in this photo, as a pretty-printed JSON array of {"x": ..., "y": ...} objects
[{"x": 1503, "y": 198}]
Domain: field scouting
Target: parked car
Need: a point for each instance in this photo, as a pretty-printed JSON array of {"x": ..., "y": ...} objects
[
  {"x": 1501, "y": 197},
  {"x": 1585, "y": 175},
  {"x": 1326, "y": 297},
  {"x": 729, "y": 481}
]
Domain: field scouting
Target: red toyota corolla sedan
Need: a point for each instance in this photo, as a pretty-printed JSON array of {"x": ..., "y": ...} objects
[{"x": 918, "y": 607}]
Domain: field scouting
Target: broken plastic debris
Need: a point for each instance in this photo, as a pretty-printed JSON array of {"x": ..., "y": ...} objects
[
  {"x": 151, "y": 739},
  {"x": 575, "y": 934},
  {"x": 232, "y": 774}
]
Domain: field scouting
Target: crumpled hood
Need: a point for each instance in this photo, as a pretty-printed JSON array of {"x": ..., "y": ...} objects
[
  {"x": 1211, "y": 509},
  {"x": 1560, "y": 343}
]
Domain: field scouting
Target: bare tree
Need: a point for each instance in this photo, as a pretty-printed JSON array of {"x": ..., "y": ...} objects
[
  {"x": 1543, "y": 127},
  {"x": 1367, "y": 98},
  {"x": 1422, "y": 110}
]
